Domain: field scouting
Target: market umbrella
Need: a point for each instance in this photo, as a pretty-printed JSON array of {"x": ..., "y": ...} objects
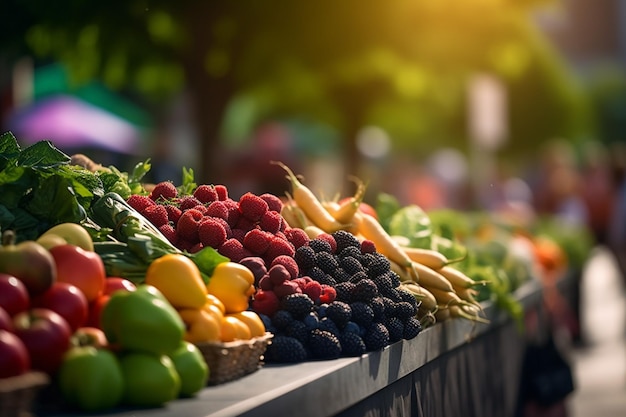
[{"x": 71, "y": 123}]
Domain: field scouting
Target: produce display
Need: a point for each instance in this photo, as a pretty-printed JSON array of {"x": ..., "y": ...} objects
[{"x": 113, "y": 287}]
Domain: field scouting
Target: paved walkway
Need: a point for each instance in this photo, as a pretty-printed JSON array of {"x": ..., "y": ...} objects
[{"x": 600, "y": 366}]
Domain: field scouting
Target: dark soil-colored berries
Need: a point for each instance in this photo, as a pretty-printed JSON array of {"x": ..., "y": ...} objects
[
  {"x": 298, "y": 330},
  {"x": 345, "y": 239},
  {"x": 281, "y": 319},
  {"x": 358, "y": 276},
  {"x": 378, "y": 307},
  {"x": 384, "y": 282},
  {"x": 376, "y": 337},
  {"x": 319, "y": 245},
  {"x": 298, "y": 304},
  {"x": 285, "y": 349},
  {"x": 350, "y": 264},
  {"x": 352, "y": 344},
  {"x": 378, "y": 264},
  {"x": 327, "y": 262},
  {"x": 344, "y": 291},
  {"x": 340, "y": 275},
  {"x": 339, "y": 312},
  {"x": 404, "y": 310},
  {"x": 364, "y": 290},
  {"x": 412, "y": 327},
  {"x": 324, "y": 345},
  {"x": 331, "y": 241},
  {"x": 395, "y": 327},
  {"x": 327, "y": 324},
  {"x": 362, "y": 313},
  {"x": 351, "y": 251},
  {"x": 305, "y": 257}
]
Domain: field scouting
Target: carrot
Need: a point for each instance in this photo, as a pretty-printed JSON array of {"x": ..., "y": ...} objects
[
  {"x": 313, "y": 231},
  {"x": 426, "y": 299},
  {"x": 431, "y": 279},
  {"x": 461, "y": 312},
  {"x": 468, "y": 294},
  {"x": 370, "y": 228},
  {"x": 310, "y": 204},
  {"x": 294, "y": 216},
  {"x": 442, "y": 313},
  {"x": 429, "y": 257},
  {"x": 458, "y": 277},
  {"x": 346, "y": 210},
  {"x": 426, "y": 318}
]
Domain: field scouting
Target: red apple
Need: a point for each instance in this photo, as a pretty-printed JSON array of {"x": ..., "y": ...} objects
[
  {"x": 6, "y": 322},
  {"x": 81, "y": 268},
  {"x": 46, "y": 336},
  {"x": 112, "y": 284},
  {"x": 89, "y": 336},
  {"x": 95, "y": 310},
  {"x": 68, "y": 301},
  {"x": 14, "y": 296},
  {"x": 14, "y": 359}
]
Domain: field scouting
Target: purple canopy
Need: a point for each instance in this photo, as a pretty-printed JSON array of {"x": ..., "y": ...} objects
[{"x": 70, "y": 122}]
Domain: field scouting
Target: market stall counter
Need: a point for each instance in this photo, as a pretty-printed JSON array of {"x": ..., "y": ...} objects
[{"x": 454, "y": 368}]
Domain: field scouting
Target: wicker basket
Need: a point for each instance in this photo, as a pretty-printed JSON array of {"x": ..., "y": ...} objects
[
  {"x": 18, "y": 393},
  {"x": 232, "y": 360}
]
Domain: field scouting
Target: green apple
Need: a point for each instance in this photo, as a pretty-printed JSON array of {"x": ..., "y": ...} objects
[
  {"x": 91, "y": 378},
  {"x": 191, "y": 367},
  {"x": 72, "y": 233},
  {"x": 150, "y": 380}
]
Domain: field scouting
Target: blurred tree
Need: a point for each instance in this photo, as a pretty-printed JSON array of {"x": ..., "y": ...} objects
[{"x": 400, "y": 64}]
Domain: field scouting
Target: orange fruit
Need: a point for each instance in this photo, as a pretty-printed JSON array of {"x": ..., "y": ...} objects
[
  {"x": 234, "y": 329},
  {"x": 253, "y": 321}
]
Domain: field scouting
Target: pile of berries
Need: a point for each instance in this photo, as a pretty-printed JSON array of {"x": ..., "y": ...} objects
[
  {"x": 249, "y": 226},
  {"x": 344, "y": 301}
]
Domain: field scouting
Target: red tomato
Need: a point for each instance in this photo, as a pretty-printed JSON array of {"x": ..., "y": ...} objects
[
  {"x": 81, "y": 268},
  {"x": 116, "y": 283}
]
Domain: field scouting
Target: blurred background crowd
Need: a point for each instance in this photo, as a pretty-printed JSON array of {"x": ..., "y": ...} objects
[{"x": 491, "y": 104}]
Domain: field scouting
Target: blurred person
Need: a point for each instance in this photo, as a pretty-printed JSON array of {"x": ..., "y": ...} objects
[{"x": 616, "y": 234}]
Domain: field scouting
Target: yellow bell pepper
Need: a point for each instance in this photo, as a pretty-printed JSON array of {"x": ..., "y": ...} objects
[
  {"x": 201, "y": 325},
  {"x": 179, "y": 279},
  {"x": 233, "y": 284}
]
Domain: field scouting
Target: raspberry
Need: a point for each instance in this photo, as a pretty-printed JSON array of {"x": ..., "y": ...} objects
[
  {"x": 173, "y": 213},
  {"x": 289, "y": 263},
  {"x": 264, "y": 283},
  {"x": 169, "y": 232},
  {"x": 187, "y": 226},
  {"x": 245, "y": 224},
  {"x": 189, "y": 202},
  {"x": 205, "y": 193},
  {"x": 211, "y": 232},
  {"x": 238, "y": 234},
  {"x": 156, "y": 214},
  {"x": 274, "y": 203},
  {"x": 139, "y": 202},
  {"x": 279, "y": 247},
  {"x": 197, "y": 247},
  {"x": 313, "y": 289},
  {"x": 229, "y": 232},
  {"x": 233, "y": 212},
  {"x": 256, "y": 265},
  {"x": 278, "y": 274},
  {"x": 222, "y": 192},
  {"x": 265, "y": 302},
  {"x": 184, "y": 244},
  {"x": 165, "y": 190},
  {"x": 234, "y": 250},
  {"x": 296, "y": 236},
  {"x": 367, "y": 246},
  {"x": 257, "y": 241},
  {"x": 271, "y": 221},
  {"x": 217, "y": 209},
  {"x": 331, "y": 241},
  {"x": 286, "y": 288},
  {"x": 252, "y": 206}
]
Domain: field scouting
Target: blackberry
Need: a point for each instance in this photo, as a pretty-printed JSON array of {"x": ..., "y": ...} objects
[
  {"x": 298, "y": 304},
  {"x": 267, "y": 322},
  {"x": 395, "y": 279},
  {"x": 317, "y": 274},
  {"x": 362, "y": 313},
  {"x": 305, "y": 257},
  {"x": 341, "y": 275},
  {"x": 412, "y": 327},
  {"x": 364, "y": 290},
  {"x": 404, "y": 310},
  {"x": 390, "y": 307},
  {"x": 393, "y": 294},
  {"x": 378, "y": 307},
  {"x": 358, "y": 276},
  {"x": 378, "y": 264},
  {"x": 376, "y": 337},
  {"x": 324, "y": 345},
  {"x": 321, "y": 310},
  {"x": 327, "y": 279},
  {"x": 344, "y": 291},
  {"x": 326, "y": 262},
  {"x": 353, "y": 327},
  {"x": 395, "y": 327},
  {"x": 350, "y": 251},
  {"x": 350, "y": 264},
  {"x": 352, "y": 344},
  {"x": 320, "y": 245},
  {"x": 345, "y": 239},
  {"x": 339, "y": 312},
  {"x": 367, "y": 259},
  {"x": 408, "y": 297},
  {"x": 297, "y": 330},
  {"x": 328, "y": 325},
  {"x": 384, "y": 282},
  {"x": 285, "y": 349},
  {"x": 281, "y": 319}
]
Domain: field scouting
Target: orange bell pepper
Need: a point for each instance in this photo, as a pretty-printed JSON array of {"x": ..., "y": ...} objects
[{"x": 233, "y": 284}]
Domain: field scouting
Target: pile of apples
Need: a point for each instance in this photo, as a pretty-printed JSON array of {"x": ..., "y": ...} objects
[{"x": 52, "y": 292}]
